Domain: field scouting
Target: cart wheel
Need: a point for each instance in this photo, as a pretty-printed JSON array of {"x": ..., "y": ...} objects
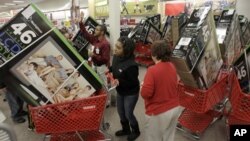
[
  {"x": 179, "y": 126},
  {"x": 195, "y": 135},
  {"x": 105, "y": 126},
  {"x": 220, "y": 117}
]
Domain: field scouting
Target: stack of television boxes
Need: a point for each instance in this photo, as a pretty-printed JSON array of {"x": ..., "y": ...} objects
[
  {"x": 197, "y": 55},
  {"x": 228, "y": 33}
]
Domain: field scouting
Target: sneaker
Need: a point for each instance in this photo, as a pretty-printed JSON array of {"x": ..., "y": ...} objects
[{"x": 19, "y": 120}]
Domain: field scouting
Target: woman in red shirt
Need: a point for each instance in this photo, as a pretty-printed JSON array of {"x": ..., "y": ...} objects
[{"x": 159, "y": 92}]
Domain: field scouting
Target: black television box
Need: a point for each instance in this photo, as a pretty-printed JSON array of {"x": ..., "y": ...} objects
[
  {"x": 241, "y": 66},
  {"x": 227, "y": 16},
  {"x": 197, "y": 17},
  {"x": 192, "y": 43},
  {"x": 186, "y": 54}
]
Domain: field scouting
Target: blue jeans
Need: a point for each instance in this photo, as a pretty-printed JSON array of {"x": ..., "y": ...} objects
[
  {"x": 15, "y": 104},
  {"x": 125, "y": 108}
]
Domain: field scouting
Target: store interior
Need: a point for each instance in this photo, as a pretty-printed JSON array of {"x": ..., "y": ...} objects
[{"x": 209, "y": 43}]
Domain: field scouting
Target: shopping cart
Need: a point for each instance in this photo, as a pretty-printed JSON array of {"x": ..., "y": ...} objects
[
  {"x": 76, "y": 120},
  {"x": 202, "y": 107},
  {"x": 239, "y": 114},
  {"x": 143, "y": 54}
]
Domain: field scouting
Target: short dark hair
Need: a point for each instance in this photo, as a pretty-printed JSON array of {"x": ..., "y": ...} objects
[
  {"x": 103, "y": 28},
  {"x": 34, "y": 64},
  {"x": 161, "y": 50},
  {"x": 128, "y": 46}
]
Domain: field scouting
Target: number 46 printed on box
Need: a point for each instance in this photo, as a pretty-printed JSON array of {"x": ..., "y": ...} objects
[{"x": 21, "y": 32}]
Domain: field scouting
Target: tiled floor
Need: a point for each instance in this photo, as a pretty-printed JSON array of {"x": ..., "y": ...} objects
[{"x": 215, "y": 132}]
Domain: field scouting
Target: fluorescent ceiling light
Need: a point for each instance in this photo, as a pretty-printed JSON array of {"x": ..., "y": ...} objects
[
  {"x": 9, "y": 4},
  {"x": 18, "y": 1},
  {"x": 3, "y": 6}
]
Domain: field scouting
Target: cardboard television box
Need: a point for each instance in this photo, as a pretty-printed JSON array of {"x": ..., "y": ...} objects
[
  {"x": 193, "y": 40},
  {"x": 227, "y": 16},
  {"x": 185, "y": 54},
  {"x": 192, "y": 79},
  {"x": 198, "y": 17},
  {"x": 241, "y": 66},
  {"x": 246, "y": 36},
  {"x": 211, "y": 61},
  {"x": 44, "y": 62}
]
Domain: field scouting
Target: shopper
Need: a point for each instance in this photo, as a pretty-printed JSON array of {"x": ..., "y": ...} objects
[
  {"x": 125, "y": 73},
  {"x": 100, "y": 56},
  {"x": 159, "y": 92},
  {"x": 16, "y": 106}
]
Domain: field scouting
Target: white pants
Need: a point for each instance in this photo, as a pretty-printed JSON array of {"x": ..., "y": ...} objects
[
  {"x": 162, "y": 127},
  {"x": 100, "y": 70}
]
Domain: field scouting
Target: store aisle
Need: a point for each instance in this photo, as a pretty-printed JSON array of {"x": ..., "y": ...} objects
[{"x": 216, "y": 132}]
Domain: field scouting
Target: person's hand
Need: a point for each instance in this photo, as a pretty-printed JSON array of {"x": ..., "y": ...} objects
[
  {"x": 90, "y": 53},
  {"x": 81, "y": 16},
  {"x": 115, "y": 82}
]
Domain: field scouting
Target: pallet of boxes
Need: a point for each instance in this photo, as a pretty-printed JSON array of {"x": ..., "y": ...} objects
[{"x": 198, "y": 60}]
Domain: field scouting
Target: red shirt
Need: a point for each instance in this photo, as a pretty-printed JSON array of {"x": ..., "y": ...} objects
[
  {"x": 101, "y": 47},
  {"x": 159, "y": 89}
]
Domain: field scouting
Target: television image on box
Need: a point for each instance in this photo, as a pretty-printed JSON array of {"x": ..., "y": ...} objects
[{"x": 49, "y": 69}]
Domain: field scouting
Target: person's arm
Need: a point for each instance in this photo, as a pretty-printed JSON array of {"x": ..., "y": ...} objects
[
  {"x": 103, "y": 56},
  {"x": 91, "y": 38},
  {"x": 147, "y": 89}
]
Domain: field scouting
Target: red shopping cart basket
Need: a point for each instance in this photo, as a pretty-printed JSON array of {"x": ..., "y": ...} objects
[
  {"x": 143, "y": 49},
  {"x": 79, "y": 115},
  {"x": 197, "y": 122},
  {"x": 200, "y": 101},
  {"x": 240, "y": 102}
]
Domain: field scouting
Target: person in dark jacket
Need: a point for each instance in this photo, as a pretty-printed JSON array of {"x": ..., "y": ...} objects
[
  {"x": 125, "y": 72},
  {"x": 15, "y": 103}
]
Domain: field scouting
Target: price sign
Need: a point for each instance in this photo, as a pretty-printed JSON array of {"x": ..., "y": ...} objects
[{"x": 21, "y": 31}]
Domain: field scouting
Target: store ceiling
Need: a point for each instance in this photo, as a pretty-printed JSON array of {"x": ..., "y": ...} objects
[
  {"x": 44, "y": 5},
  {"x": 7, "y": 5}
]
